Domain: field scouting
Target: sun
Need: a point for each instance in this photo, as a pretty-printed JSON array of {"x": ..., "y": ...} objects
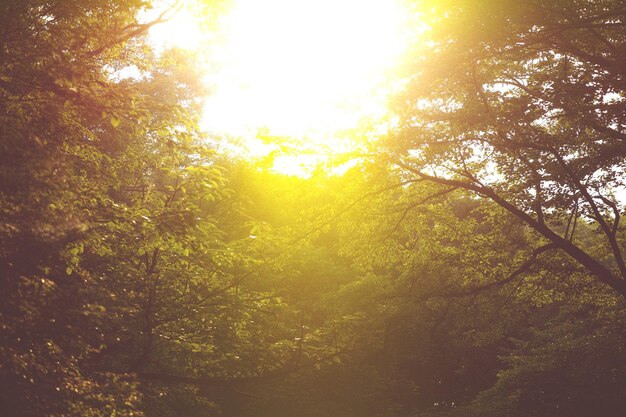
[{"x": 303, "y": 69}]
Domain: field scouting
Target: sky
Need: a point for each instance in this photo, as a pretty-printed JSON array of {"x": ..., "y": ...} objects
[{"x": 308, "y": 70}]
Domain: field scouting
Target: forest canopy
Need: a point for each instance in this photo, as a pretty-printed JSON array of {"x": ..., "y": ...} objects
[{"x": 467, "y": 259}]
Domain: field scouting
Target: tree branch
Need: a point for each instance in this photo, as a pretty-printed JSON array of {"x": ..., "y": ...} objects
[
  {"x": 602, "y": 273},
  {"x": 138, "y": 29},
  {"x": 610, "y": 234},
  {"x": 523, "y": 268}
]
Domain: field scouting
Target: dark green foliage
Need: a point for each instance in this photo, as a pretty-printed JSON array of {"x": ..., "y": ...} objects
[
  {"x": 112, "y": 259},
  {"x": 143, "y": 274},
  {"x": 524, "y": 105}
]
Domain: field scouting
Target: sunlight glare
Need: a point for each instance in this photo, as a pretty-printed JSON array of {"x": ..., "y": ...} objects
[
  {"x": 300, "y": 66},
  {"x": 181, "y": 28},
  {"x": 304, "y": 69}
]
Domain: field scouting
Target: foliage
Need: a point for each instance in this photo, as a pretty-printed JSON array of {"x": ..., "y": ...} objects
[
  {"x": 112, "y": 256},
  {"x": 523, "y": 104},
  {"x": 456, "y": 272}
]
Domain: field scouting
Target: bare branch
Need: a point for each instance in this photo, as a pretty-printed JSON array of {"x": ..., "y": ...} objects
[
  {"x": 610, "y": 234},
  {"x": 138, "y": 29},
  {"x": 616, "y": 215}
]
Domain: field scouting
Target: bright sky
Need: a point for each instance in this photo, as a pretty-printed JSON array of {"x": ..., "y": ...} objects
[{"x": 305, "y": 69}]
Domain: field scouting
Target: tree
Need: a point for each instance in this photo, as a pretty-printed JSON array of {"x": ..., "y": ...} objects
[
  {"x": 106, "y": 193},
  {"x": 449, "y": 334},
  {"x": 523, "y": 103}
]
